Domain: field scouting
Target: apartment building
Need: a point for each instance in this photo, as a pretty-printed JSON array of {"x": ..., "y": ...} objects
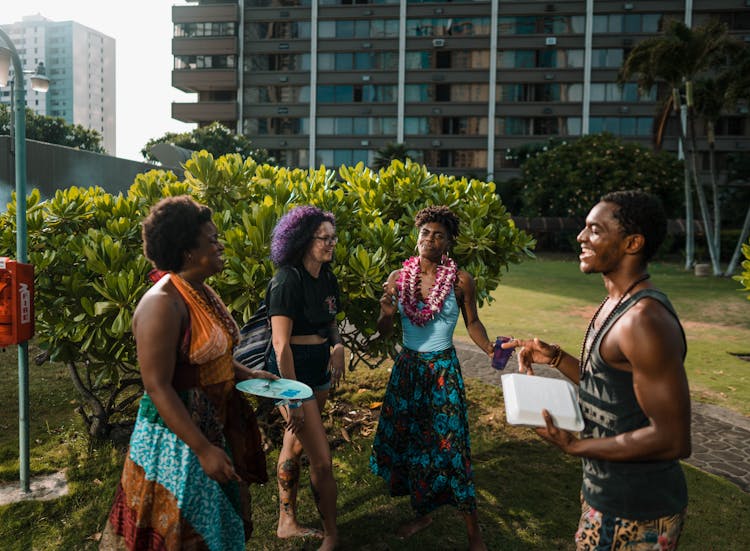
[
  {"x": 80, "y": 64},
  {"x": 460, "y": 83}
]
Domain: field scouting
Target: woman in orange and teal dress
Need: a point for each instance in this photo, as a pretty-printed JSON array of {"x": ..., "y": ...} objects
[{"x": 196, "y": 446}]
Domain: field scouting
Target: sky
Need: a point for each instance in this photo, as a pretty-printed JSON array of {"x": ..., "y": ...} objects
[{"x": 142, "y": 30}]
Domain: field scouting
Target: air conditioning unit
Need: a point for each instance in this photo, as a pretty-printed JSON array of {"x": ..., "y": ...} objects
[
  {"x": 364, "y": 142},
  {"x": 438, "y": 42},
  {"x": 550, "y": 41},
  {"x": 366, "y": 78}
]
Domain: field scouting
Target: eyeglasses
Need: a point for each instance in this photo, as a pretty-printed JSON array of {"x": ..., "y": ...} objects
[{"x": 327, "y": 240}]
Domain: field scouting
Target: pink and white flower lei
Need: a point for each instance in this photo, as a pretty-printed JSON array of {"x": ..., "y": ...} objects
[{"x": 408, "y": 283}]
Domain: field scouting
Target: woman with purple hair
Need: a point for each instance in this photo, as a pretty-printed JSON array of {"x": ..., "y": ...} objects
[{"x": 303, "y": 300}]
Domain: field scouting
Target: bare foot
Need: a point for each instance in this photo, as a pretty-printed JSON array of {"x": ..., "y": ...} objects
[
  {"x": 408, "y": 529},
  {"x": 329, "y": 543},
  {"x": 294, "y": 530}
]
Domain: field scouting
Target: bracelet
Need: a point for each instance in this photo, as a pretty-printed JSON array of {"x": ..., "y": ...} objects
[
  {"x": 294, "y": 405},
  {"x": 557, "y": 358}
]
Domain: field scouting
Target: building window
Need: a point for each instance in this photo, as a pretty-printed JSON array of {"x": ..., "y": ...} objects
[
  {"x": 542, "y": 24},
  {"x": 629, "y": 23},
  {"x": 189, "y": 30},
  {"x": 278, "y": 62},
  {"x": 190, "y": 62},
  {"x": 730, "y": 126},
  {"x": 456, "y": 26},
  {"x": 621, "y": 126},
  {"x": 266, "y": 30},
  {"x": 607, "y": 57},
  {"x": 277, "y": 94}
]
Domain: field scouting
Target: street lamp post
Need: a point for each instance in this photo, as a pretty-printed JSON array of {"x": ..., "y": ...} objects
[{"x": 18, "y": 108}]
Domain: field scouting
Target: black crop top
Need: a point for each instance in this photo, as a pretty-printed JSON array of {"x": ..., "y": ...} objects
[{"x": 311, "y": 302}]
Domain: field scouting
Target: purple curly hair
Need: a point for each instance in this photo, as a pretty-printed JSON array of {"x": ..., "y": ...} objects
[{"x": 293, "y": 233}]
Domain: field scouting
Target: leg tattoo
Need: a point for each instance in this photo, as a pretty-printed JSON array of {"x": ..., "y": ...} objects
[{"x": 288, "y": 476}]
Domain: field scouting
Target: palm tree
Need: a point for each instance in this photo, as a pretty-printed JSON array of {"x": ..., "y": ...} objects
[
  {"x": 388, "y": 153},
  {"x": 677, "y": 57},
  {"x": 710, "y": 102}
]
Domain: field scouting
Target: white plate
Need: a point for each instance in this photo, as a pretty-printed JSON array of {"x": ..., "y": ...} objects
[
  {"x": 280, "y": 389},
  {"x": 527, "y": 395}
]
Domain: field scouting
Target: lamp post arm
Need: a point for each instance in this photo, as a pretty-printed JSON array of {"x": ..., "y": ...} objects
[{"x": 19, "y": 112}]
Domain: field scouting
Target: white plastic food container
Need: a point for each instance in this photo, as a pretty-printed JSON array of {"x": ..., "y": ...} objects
[{"x": 527, "y": 395}]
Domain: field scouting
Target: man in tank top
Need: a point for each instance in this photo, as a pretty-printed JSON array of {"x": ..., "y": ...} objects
[{"x": 633, "y": 387}]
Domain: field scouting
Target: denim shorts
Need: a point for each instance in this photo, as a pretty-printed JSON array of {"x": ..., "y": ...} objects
[{"x": 310, "y": 364}]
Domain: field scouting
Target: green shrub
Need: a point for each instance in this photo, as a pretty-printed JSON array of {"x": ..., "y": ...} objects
[
  {"x": 90, "y": 271},
  {"x": 85, "y": 246},
  {"x": 744, "y": 277},
  {"x": 570, "y": 178}
]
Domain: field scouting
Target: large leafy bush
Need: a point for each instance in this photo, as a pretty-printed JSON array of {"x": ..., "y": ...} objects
[
  {"x": 90, "y": 271},
  {"x": 744, "y": 277},
  {"x": 568, "y": 179}
]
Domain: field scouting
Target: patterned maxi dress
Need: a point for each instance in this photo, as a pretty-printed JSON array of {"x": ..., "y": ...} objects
[
  {"x": 165, "y": 500},
  {"x": 422, "y": 446}
]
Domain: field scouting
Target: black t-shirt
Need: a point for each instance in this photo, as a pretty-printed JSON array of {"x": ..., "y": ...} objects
[{"x": 311, "y": 302}]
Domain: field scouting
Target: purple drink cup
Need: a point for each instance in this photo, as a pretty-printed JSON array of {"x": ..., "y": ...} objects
[{"x": 501, "y": 355}]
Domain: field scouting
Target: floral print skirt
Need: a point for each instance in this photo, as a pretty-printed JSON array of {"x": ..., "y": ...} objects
[{"x": 422, "y": 446}]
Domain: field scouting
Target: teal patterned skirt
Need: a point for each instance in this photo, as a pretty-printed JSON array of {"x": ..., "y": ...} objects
[{"x": 422, "y": 446}]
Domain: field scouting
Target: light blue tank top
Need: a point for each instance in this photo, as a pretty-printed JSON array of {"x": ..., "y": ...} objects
[{"x": 436, "y": 334}]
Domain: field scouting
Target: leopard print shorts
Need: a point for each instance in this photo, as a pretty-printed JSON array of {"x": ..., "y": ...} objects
[{"x": 598, "y": 531}]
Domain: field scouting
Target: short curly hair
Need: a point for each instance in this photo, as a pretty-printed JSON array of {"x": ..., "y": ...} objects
[
  {"x": 440, "y": 214},
  {"x": 171, "y": 228},
  {"x": 294, "y": 232},
  {"x": 641, "y": 213}
]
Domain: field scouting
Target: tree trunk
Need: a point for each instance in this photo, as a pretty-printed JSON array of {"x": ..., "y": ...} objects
[
  {"x": 738, "y": 250},
  {"x": 689, "y": 219},
  {"x": 98, "y": 422},
  {"x": 711, "y": 137},
  {"x": 702, "y": 203}
]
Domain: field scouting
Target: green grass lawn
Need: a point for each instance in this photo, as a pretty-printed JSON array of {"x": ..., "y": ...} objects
[{"x": 527, "y": 491}]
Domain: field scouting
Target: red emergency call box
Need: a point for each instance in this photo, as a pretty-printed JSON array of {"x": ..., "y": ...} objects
[{"x": 16, "y": 301}]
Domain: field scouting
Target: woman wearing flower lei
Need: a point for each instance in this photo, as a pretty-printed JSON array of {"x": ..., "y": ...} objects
[{"x": 421, "y": 447}]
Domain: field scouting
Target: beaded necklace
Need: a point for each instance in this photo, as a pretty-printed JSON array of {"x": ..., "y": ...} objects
[{"x": 582, "y": 365}]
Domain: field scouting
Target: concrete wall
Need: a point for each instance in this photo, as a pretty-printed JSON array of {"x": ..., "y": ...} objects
[{"x": 52, "y": 167}]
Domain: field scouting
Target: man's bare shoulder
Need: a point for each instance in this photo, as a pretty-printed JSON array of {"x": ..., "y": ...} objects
[
  {"x": 651, "y": 314},
  {"x": 649, "y": 327}
]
